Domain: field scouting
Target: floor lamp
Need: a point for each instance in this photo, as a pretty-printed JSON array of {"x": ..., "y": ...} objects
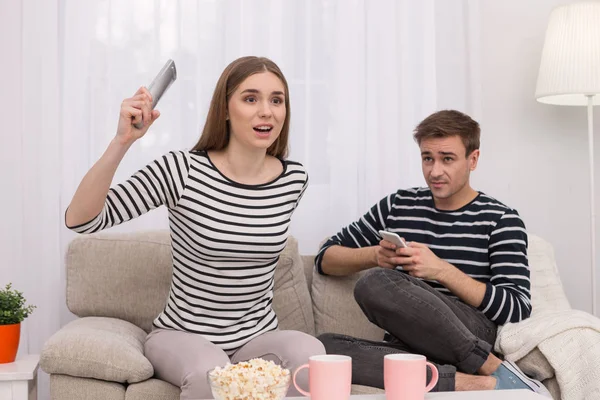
[{"x": 569, "y": 75}]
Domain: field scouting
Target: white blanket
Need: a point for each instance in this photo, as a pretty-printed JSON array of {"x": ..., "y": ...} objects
[
  {"x": 557, "y": 345},
  {"x": 561, "y": 348}
]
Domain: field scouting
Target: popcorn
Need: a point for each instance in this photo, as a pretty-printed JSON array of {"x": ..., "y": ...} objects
[{"x": 256, "y": 379}]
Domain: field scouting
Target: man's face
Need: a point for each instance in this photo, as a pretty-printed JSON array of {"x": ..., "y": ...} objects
[{"x": 446, "y": 168}]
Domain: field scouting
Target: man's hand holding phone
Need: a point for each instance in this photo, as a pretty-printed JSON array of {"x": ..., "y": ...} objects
[
  {"x": 419, "y": 261},
  {"x": 415, "y": 258},
  {"x": 385, "y": 253}
]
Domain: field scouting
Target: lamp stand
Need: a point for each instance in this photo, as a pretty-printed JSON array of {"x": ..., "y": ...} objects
[{"x": 590, "y": 115}]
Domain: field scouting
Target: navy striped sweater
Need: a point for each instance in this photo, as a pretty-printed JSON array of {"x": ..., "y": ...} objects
[{"x": 484, "y": 239}]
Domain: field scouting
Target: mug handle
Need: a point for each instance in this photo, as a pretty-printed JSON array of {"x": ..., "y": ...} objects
[
  {"x": 434, "y": 376},
  {"x": 306, "y": 393}
]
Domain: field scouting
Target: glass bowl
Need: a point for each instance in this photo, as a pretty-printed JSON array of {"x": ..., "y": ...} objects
[{"x": 256, "y": 391}]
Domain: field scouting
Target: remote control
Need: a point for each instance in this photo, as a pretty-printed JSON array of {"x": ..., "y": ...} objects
[{"x": 160, "y": 84}]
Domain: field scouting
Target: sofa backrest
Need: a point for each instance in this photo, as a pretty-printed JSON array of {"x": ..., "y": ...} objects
[
  {"x": 334, "y": 307},
  {"x": 128, "y": 276},
  {"x": 547, "y": 292},
  {"x": 336, "y": 311}
]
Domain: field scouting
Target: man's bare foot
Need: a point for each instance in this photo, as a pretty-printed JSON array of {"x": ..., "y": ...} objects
[
  {"x": 465, "y": 382},
  {"x": 490, "y": 366}
]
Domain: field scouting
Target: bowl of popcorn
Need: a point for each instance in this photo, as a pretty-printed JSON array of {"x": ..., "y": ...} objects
[{"x": 255, "y": 379}]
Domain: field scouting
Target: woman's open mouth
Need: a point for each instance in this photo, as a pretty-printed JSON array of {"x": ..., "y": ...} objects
[{"x": 263, "y": 130}]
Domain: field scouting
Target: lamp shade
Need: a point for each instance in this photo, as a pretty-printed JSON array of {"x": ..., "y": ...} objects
[{"x": 570, "y": 65}]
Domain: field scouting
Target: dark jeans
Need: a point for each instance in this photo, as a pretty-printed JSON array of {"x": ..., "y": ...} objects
[{"x": 419, "y": 319}]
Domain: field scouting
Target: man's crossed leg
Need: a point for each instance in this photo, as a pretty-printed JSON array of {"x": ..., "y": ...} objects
[{"x": 418, "y": 319}]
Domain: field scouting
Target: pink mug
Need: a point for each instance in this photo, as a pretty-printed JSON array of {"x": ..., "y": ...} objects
[
  {"x": 405, "y": 376},
  {"x": 329, "y": 377}
]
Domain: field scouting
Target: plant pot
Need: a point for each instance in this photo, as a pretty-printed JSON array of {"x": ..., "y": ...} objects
[{"x": 9, "y": 342}]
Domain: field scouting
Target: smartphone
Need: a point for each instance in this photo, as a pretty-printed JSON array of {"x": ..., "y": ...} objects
[
  {"x": 393, "y": 238},
  {"x": 160, "y": 84}
]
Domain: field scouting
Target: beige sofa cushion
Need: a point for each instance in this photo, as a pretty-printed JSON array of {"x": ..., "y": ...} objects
[
  {"x": 292, "y": 302},
  {"x": 309, "y": 265},
  {"x": 119, "y": 275},
  {"x": 152, "y": 389},
  {"x": 101, "y": 348},
  {"x": 336, "y": 311},
  {"x": 547, "y": 292},
  {"x": 64, "y": 387}
]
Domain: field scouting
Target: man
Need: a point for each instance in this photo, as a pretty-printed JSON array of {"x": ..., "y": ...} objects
[{"x": 463, "y": 273}]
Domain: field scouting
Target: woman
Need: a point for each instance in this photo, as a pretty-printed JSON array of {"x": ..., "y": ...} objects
[{"x": 230, "y": 200}]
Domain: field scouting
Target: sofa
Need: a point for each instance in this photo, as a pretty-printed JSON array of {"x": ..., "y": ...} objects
[{"x": 117, "y": 283}]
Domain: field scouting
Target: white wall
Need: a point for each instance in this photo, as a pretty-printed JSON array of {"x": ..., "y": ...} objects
[{"x": 534, "y": 156}]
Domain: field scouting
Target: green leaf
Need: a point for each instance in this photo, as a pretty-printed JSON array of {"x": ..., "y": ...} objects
[{"x": 12, "y": 306}]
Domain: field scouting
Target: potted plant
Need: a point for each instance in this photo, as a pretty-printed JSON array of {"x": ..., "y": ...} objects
[{"x": 12, "y": 312}]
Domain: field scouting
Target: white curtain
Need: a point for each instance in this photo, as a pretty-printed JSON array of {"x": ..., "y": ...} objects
[
  {"x": 362, "y": 74},
  {"x": 30, "y": 165}
]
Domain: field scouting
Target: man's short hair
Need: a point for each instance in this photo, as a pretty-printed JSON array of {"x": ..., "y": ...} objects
[{"x": 448, "y": 123}]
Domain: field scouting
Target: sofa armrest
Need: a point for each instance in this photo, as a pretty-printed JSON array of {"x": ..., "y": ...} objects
[{"x": 109, "y": 349}]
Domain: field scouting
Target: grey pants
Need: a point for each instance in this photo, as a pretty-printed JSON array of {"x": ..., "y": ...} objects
[
  {"x": 183, "y": 359},
  {"x": 419, "y": 319}
]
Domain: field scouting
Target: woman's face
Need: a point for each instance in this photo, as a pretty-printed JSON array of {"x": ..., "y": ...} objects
[{"x": 256, "y": 111}]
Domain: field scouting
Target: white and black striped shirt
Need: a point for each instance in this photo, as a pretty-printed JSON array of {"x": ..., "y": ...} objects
[
  {"x": 485, "y": 239},
  {"x": 226, "y": 241}
]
